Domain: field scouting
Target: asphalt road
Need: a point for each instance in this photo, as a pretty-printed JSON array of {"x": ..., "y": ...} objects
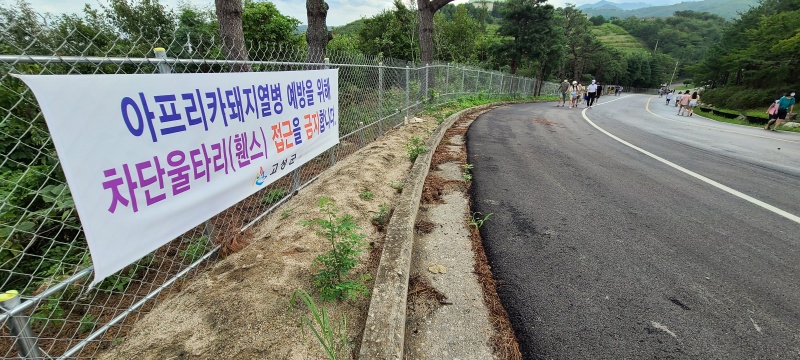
[{"x": 685, "y": 247}]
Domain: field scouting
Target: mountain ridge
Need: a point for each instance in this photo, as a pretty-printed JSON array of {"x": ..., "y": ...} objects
[{"x": 728, "y": 9}]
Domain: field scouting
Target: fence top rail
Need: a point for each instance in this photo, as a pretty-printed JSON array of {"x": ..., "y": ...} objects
[{"x": 100, "y": 60}]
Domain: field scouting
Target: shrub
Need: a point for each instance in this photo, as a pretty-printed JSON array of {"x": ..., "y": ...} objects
[
  {"x": 415, "y": 147},
  {"x": 334, "y": 266}
]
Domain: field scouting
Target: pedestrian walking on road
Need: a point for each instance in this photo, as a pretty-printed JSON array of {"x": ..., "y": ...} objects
[
  {"x": 591, "y": 91},
  {"x": 694, "y": 100},
  {"x": 617, "y": 90},
  {"x": 684, "y": 103},
  {"x": 785, "y": 107},
  {"x": 573, "y": 94},
  {"x": 563, "y": 90},
  {"x": 599, "y": 92},
  {"x": 772, "y": 111},
  {"x": 678, "y": 98},
  {"x": 669, "y": 97}
]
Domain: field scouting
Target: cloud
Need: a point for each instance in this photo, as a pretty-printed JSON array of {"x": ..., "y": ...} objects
[{"x": 341, "y": 12}]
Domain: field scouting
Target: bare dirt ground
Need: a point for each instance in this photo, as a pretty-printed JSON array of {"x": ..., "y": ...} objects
[{"x": 239, "y": 307}]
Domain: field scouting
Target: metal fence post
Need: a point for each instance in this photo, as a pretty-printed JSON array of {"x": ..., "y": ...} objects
[
  {"x": 491, "y": 77},
  {"x": 425, "y": 93},
  {"x": 408, "y": 89},
  {"x": 295, "y": 180},
  {"x": 26, "y": 341},
  {"x": 163, "y": 66},
  {"x": 447, "y": 81},
  {"x": 331, "y": 155},
  {"x": 463, "y": 74},
  {"x": 528, "y": 87},
  {"x": 380, "y": 98}
]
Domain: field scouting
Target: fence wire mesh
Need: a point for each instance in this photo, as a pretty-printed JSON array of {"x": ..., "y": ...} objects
[{"x": 43, "y": 251}]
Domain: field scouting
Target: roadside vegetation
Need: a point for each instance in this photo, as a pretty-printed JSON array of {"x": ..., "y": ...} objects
[{"x": 755, "y": 61}]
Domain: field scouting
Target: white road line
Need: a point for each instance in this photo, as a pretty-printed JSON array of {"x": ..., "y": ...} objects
[
  {"x": 663, "y": 328},
  {"x": 702, "y": 178},
  {"x": 758, "y": 328}
]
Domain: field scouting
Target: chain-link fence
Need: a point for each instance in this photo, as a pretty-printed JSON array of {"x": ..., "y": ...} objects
[{"x": 43, "y": 251}]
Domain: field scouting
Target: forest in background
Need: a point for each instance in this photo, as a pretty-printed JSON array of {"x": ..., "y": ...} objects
[
  {"x": 747, "y": 62},
  {"x": 756, "y": 60},
  {"x": 757, "y": 51}
]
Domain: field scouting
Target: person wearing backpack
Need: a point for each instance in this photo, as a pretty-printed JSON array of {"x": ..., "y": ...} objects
[{"x": 785, "y": 107}]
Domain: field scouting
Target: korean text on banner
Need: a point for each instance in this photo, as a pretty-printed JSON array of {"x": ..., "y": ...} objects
[{"x": 149, "y": 157}]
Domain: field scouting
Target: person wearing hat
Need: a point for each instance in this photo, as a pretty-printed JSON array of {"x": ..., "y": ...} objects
[
  {"x": 573, "y": 93},
  {"x": 563, "y": 88},
  {"x": 785, "y": 107}
]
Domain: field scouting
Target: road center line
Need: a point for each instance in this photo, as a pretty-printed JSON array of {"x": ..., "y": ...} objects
[{"x": 702, "y": 178}]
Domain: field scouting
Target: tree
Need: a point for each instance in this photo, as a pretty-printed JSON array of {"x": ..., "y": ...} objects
[
  {"x": 390, "y": 33},
  {"x": 229, "y": 15},
  {"x": 457, "y": 38},
  {"x": 528, "y": 28},
  {"x": 578, "y": 37},
  {"x": 597, "y": 20},
  {"x": 317, "y": 34},
  {"x": 196, "y": 31},
  {"x": 144, "y": 20},
  {"x": 265, "y": 26},
  {"x": 426, "y": 9}
]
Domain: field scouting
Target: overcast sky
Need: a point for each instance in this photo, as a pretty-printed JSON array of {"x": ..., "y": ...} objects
[{"x": 341, "y": 11}]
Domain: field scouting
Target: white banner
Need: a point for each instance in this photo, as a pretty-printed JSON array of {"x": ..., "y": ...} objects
[{"x": 149, "y": 157}]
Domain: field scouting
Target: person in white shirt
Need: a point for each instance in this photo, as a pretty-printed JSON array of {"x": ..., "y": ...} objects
[{"x": 592, "y": 91}]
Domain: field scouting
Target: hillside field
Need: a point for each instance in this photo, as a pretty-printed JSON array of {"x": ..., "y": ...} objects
[{"x": 618, "y": 38}]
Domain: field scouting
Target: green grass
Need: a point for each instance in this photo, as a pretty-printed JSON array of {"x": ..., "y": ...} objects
[
  {"x": 708, "y": 114},
  {"x": 684, "y": 87},
  {"x": 711, "y": 116},
  {"x": 762, "y": 113},
  {"x": 415, "y": 147},
  {"x": 366, "y": 194},
  {"x": 618, "y": 38},
  {"x": 331, "y": 335}
]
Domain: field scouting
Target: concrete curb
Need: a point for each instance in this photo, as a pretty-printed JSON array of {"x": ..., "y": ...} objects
[{"x": 384, "y": 331}]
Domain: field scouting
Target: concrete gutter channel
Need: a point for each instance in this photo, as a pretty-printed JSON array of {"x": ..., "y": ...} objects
[{"x": 384, "y": 331}]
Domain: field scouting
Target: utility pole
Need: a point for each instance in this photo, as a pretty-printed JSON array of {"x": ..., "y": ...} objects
[
  {"x": 654, "y": 50},
  {"x": 673, "y": 74}
]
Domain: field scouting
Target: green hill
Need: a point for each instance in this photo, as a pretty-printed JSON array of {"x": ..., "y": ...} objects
[
  {"x": 618, "y": 38},
  {"x": 351, "y": 28},
  {"x": 728, "y": 9}
]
